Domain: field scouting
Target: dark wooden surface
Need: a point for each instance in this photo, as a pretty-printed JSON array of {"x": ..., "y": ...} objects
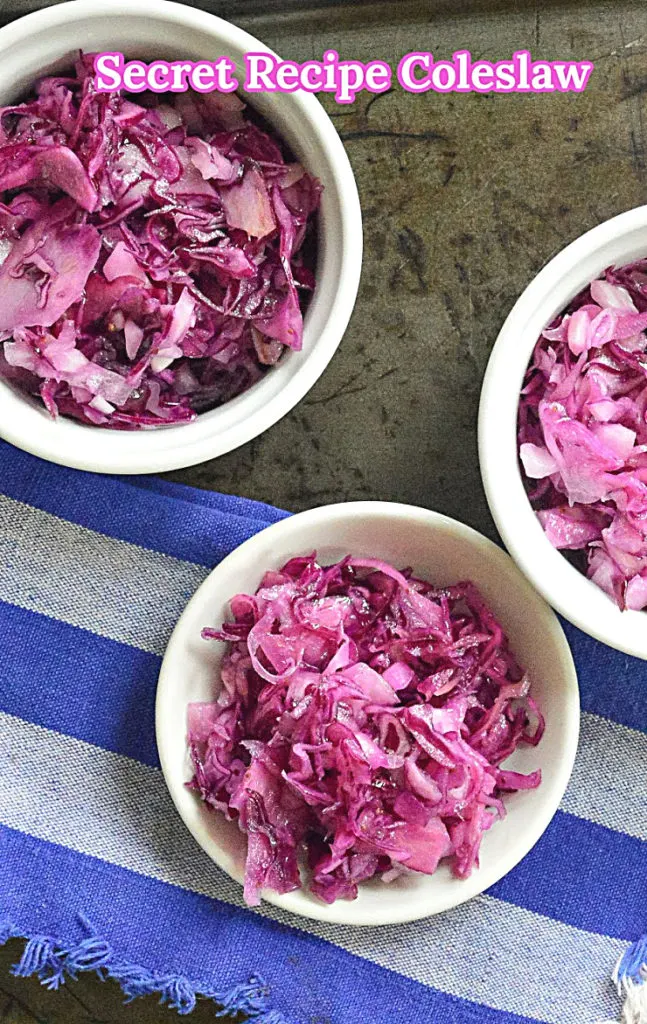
[
  {"x": 464, "y": 199},
  {"x": 86, "y": 1001}
]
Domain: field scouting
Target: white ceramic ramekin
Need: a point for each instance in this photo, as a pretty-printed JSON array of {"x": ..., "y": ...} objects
[
  {"x": 47, "y": 40},
  {"x": 438, "y": 549},
  {"x": 616, "y": 241}
]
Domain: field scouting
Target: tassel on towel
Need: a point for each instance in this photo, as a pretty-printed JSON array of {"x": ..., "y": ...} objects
[{"x": 630, "y": 979}]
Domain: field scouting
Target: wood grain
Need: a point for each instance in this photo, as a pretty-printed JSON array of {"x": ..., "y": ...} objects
[
  {"x": 464, "y": 199},
  {"x": 86, "y": 1001}
]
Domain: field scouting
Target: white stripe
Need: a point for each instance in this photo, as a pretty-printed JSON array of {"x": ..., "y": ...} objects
[
  {"x": 608, "y": 781},
  {"x": 134, "y": 595},
  {"x": 86, "y": 579},
  {"x": 87, "y": 799}
]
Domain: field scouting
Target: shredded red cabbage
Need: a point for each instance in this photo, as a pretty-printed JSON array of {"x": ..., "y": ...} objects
[
  {"x": 363, "y": 716},
  {"x": 154, "y": 259},
  {"x": 583, "y": 432}
]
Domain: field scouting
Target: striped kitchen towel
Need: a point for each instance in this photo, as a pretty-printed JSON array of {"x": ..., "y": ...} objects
[{"x": 98, "y": 873}]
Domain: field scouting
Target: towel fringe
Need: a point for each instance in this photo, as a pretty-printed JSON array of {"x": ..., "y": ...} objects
[
  {"x": 53, "y": 963},
  {"x": 630, "y": 979}
]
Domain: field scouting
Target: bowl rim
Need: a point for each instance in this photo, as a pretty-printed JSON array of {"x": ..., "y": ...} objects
[
  {"x": 341, "y": 912},
  {"x": 221, "y": 430},
  {"x": 567, "y": 590}
]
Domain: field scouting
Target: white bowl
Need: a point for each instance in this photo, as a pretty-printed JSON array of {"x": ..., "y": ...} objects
[
  {"x": 48, "y": 40},
  {"x": 443, "y": 551},
  {"x": 616, "y": 241}
]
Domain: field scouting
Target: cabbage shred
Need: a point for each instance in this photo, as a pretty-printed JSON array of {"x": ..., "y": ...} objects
[
  {"x": 363, "y": 718},
  {"x": 583, "y": 433},
  {"x": 155, "y": 260}
]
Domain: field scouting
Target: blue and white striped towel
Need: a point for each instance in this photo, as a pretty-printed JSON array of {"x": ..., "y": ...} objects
[{"x": 97, "y": 871}]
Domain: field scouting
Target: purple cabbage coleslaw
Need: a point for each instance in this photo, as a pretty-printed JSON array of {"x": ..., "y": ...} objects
[
  {"x": 583, "y": 433},
  {"x": 155, "y": 259},
  {"x": 362, "y": 720}
]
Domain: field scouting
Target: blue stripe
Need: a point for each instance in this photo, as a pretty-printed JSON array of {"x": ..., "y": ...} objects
[
  {"x": 585, "y": 875},
  {"x": 109, "y": 701},
  {"x": 202, "y": 527},
  {"x": 88, "y": 687},
  {"x": 612, "y": 684},
  {"x": 175, "y": 930},
  {"x": 229, "y": 503},
  {"x": 162, "y": 516}
]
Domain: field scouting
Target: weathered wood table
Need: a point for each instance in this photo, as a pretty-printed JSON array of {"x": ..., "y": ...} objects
[{"x": 464, "y": 198}]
